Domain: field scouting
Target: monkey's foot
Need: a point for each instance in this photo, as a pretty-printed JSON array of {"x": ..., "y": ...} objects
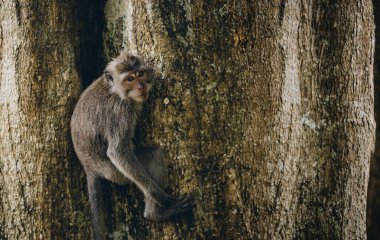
[{"x": 183, "y": 204}]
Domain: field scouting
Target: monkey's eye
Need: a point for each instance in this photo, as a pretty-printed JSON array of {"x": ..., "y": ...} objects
[
  {"x": 140, "y": 74},
  {"x": 130, "y": 78}
]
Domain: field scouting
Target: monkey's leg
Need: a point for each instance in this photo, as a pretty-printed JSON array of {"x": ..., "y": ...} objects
[
  {"x": 153, "y": 160},
  {"x": 127, "y": 163},
  {"x": 97, "y": 204}
]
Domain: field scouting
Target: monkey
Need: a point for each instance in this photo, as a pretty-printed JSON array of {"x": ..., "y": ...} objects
[{"x": 102, "y": 129}]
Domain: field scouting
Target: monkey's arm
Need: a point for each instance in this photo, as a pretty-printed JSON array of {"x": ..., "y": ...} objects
[{"x": 127, "y": 163}]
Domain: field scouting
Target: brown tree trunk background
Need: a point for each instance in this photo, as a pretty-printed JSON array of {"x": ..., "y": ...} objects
[
  {"x": 265, "y": 110},
  {"x": 41, "y": 194}
]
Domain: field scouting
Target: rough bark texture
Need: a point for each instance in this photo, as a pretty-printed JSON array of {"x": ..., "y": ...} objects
[
  {"x": 41, "y": 193},
  {"x": 265, "y": 109},
  {"x": 373, "y": 210}
]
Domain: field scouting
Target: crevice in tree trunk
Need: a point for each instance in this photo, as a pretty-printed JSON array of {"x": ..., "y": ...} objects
[
  {"x": 373, "y": 203},
  {"x": 91, "y": 27}
]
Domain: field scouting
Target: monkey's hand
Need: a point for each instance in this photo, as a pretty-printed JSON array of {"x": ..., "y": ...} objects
[
  {"x": 180, "y": 200},
  {"x": 173, "y": 209}
]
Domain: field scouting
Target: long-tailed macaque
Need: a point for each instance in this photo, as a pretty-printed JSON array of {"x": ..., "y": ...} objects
[{"x": 102, "y": 128}]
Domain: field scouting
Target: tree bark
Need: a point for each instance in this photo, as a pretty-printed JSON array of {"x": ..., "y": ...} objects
[
  {"x": 265, "y": 109},
  {"x": 42, "y": 192}
]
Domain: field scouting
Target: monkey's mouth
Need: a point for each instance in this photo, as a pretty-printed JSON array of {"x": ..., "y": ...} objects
[
  {"x": 138, "y": 96},
  {"x": 141, "y": 97}
]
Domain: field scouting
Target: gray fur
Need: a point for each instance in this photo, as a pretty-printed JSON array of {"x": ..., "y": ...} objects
[{"x": 102, "y": 128}]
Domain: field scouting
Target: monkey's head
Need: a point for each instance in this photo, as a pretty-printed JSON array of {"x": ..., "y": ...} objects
[{"x": 129, "y": 77}]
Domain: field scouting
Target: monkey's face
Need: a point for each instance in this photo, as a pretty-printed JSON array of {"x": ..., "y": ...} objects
[
  {"x": 129, "y": 77},
  {"x": 135, "y": 84}
]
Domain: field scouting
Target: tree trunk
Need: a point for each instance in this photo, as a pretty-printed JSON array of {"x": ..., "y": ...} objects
[
  {"x": 42, "y": 195},
  {"x": 373, "y": 209},
  {"x": 265, "y": 109}
]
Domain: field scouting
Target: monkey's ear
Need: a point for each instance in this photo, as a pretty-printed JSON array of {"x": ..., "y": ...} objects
[{"x": 108, "y": 76}]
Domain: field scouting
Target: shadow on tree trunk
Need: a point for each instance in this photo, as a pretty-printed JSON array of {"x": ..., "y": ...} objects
[{"x": 373, "y": 207}]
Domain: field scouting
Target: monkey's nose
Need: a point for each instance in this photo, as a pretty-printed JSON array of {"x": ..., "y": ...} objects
[{"x": 140, "y": 87}]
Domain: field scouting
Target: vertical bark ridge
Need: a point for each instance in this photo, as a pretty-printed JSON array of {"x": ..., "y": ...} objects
[
  {"x": 340, "y": 133},
  {"x": 39, "y": 86},
  {"x": 9, "y": 136}
]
